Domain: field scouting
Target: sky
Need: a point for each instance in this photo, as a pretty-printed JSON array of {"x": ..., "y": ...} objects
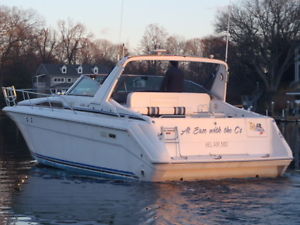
[{"x": 124, "y": 21}]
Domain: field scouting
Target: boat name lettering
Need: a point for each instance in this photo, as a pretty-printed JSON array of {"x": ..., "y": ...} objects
[{"x": 213, "y": 130}]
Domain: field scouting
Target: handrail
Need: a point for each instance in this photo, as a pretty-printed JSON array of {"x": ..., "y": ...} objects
[{"x": 10, "y": 96}]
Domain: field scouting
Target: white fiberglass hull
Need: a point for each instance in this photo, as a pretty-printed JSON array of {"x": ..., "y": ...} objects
[
  {"x": 123, "y": 148},
  {"x": 76, "y": 144}
]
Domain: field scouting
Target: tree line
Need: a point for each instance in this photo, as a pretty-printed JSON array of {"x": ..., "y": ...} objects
[
  {"x": 263, "y": 36},
  {"x": 25, "y": 43}
]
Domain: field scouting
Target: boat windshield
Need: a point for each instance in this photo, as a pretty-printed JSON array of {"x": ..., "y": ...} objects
[{"x": 87, "y": 85}]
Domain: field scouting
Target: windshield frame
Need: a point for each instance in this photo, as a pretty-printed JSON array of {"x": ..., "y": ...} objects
[
  {"x": 90, "y": 77},
  {"x": 218, "y": 90}
]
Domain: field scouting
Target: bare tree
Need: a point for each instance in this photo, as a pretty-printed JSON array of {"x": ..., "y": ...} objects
[
  {"x": 193, "y": 47},
  {"x": 88, "y": 52},
  {"x": 264, "y": 32},
  {"x": 110, "y": 51},
  {"x": 175, "y": 45},
  {"x": 100, "y": 51},
  {"x": 105, "y": 49},
  {"x": 71, "y": 41},
  {"x": 46, "y": 42},
  {"x": 213, "y": 46},
  {"x": 154, "y": 38},
  {"x": 18, "y": 30}
]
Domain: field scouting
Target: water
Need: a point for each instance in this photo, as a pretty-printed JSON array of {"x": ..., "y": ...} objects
[{"x": 31, "y": 194}]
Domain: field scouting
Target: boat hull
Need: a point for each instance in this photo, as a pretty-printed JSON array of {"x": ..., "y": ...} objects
[
  {"x": 121, "y": 148},
  {"x": 180, "y": 171},
  {"x": 220, "y": 170},
  {"x": 76, "y": 143}
]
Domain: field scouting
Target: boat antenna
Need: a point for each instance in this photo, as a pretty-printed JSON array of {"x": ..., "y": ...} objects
[
  {"x": 227, "y": 33},
  {"x": 120, "y": 30}
]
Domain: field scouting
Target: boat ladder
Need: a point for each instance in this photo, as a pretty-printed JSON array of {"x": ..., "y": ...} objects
[
  {"x": 171, "y": 136},
  {"x": 10, "y": 95}
]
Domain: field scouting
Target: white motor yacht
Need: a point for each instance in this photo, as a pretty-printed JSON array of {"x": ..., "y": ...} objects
[{"x": 123, "y": 126}]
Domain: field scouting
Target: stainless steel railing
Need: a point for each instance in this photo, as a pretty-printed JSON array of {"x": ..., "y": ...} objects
[{"x": 11, "y": 97}]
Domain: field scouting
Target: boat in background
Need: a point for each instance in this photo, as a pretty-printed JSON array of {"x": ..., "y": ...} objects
[{"x": 123, "y": 126}]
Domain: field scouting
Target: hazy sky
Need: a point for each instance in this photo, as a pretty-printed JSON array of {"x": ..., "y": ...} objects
[{"x": 184, "y": 18}]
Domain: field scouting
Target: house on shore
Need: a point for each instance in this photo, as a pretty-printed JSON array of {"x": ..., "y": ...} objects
[{"x": 57, "y": 78}]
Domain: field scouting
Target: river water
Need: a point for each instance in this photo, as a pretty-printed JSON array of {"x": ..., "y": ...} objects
[{"x": 32, "y": 194}]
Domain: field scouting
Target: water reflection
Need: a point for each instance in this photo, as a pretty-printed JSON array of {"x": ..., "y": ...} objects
[
  {"x": 40, "y": 195},
  {"x": 14, "y": 164},
  {"x": 56, "y": 197},
  {"x": 230, "y": 202}
]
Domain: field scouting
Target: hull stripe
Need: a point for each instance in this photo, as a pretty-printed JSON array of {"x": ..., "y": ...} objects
[{"x": 102, "y": 170}]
